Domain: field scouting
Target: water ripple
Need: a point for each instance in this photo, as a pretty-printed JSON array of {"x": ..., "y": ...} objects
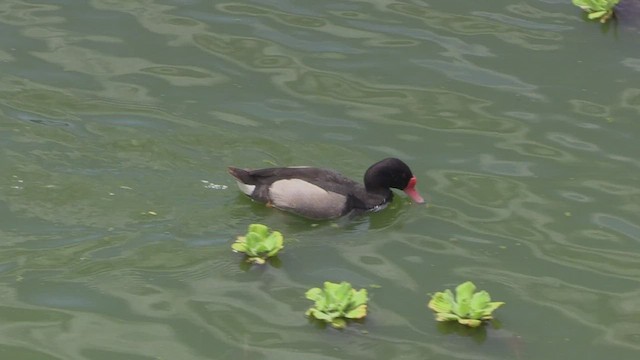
[
  {"x": 578, "y": 303},
  {"x": 476, "y": 25},
  {"x": 478, "y": 76},
  {"x": 113, "y": 248}
]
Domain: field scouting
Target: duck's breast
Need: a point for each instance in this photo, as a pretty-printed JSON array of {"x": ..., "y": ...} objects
[
  {"x": 245, "y": 188},
  {"x": 306, "y": 199}
]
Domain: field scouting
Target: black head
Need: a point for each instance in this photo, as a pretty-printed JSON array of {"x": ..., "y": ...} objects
[
  {"x": 387, "y": 173},
  {"x": 391, "y": 173}
]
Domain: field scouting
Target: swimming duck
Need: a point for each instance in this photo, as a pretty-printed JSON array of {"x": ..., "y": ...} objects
[{"x": 325, "y": 194}]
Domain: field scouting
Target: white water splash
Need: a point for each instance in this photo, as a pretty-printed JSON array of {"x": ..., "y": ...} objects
[{"x": 210, "y": 185}]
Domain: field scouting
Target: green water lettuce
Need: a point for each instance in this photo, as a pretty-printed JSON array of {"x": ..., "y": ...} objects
[
  {"x": 597, "y": 9},
  {"x": 336, "y": 303},
  {"x": 258, "y": 244},
  {"x": 467, "y": 307}
]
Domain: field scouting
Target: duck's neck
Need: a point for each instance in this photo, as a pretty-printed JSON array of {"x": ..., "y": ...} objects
[
  {"x": 369, "y": 199},
  {"x": 379, "y": 191}
]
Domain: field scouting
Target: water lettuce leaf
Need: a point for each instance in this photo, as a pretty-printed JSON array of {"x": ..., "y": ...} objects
[
  {"x": 467, "y": 307},
  {"x": 597, "y": 14},
  {"x": 259, "y": 244},
  {"x": 335, "y": 303},
  {"x": 597, "y": 9}
]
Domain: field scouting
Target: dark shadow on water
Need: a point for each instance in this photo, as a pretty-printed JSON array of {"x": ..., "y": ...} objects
[
  {"x": 477, "y": 334},
  {"x": 320, "y": 324},
  {"x": 393, "y": 215},
  {"x": 274, "y": 262},
  {"x": 489, "y": 334},
  {"x": 627, "y": 14}
]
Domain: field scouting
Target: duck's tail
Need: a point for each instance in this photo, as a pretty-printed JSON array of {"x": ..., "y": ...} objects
[{"x": 240, "y": 174}]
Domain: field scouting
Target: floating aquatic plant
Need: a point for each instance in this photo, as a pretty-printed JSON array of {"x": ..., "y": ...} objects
[
  {"x": 336, "y": 303},
  {"x": 467, "y": 307},
  {"x": 597, "y": 9},
  {"x": 258, "y": 244}
]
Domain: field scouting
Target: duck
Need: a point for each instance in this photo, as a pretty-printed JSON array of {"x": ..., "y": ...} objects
[{"x": 322, "y": 194}]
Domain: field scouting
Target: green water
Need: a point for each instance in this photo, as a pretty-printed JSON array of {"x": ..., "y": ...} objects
[{"x": 118, "y": 119}]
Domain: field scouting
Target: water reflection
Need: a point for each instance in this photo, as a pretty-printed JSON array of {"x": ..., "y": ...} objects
[
  {"x": 468, "y": 72},
  {"x": 578, "y": 303},
  {"x": 515, "y": 34},
  {"x": 589, "y": 108},
  {"x": 113, "y": 111}
]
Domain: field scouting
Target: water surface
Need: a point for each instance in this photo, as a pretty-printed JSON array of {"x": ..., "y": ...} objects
[{"x": 118, "y": 119}]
